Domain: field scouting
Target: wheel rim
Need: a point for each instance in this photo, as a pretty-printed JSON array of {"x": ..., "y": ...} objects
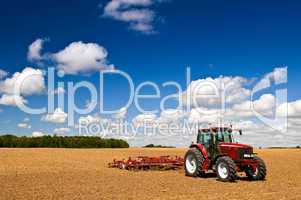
[
  {"x": 222, "y": 170},
  {"x": 123, "y": 166},
  {"x": 254, "y": 173},
  {"x": 190, "y": 164}
]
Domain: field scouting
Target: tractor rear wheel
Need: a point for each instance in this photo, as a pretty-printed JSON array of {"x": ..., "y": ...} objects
[
  {"x": 193, "y": 163},
  {"x": 259, "y": 173},
  {"x": 226, "y": 169}
]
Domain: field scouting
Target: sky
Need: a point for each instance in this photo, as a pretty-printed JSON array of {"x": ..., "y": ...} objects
[{"x": 242, "y": 42}]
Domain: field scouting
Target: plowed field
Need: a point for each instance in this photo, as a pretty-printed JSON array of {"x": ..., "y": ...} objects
[{"x": 83, "y": 174}]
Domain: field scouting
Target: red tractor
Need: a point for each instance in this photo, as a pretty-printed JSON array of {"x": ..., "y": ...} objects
[{"x": 216, "y": 150}]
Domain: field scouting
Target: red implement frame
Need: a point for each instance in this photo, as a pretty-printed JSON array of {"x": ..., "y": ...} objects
[{"x": 145, "y": 162}]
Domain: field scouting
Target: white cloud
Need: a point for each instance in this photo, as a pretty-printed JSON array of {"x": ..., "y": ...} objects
[
  {"x": 89, "y": 119},
  {"x": 24, "y": 125},
  {"x": 58, "y": 116},
  {"x": 146, "y": 118},
  {"x": 37, "y": 134},
  {"x": 142, "y": 27},
  {"x": 171, "y": 115},
  {"x": 121, "y": 113},
  {"x": 137, "y": 13},
  {"x": 61, "y": 131},
  {"x": 81, "y": 57},
  {"x": 12, "y": 100},
  {"x": 206, "y": 92},
  {"x": 167, "y": 123},
  {"x": 240, "y": 112},
  {"x": 34, "y": 50},
  {"x": 3, "y": 73},
  {"x": 278, "y": 76},
  {"x": 77, "y": 57},
  {"x": 30, "y": 80},
  {"x": 205, "y": 115},
  {"x": 290, "y": 109},
  {"x": 265, "y": 105},
  {"x": 246, "y": 125}
]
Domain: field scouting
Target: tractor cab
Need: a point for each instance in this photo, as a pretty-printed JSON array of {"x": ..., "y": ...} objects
[
  {"x": 212, "y": 138},
  {"x": 215, "y": 135}
]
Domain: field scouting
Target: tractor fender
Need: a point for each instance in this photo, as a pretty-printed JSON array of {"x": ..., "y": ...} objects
[{"x": 202, "y": 149}]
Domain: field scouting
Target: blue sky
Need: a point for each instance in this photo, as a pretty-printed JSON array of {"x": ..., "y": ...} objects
[
  {"x": 235, "y": 38},
  {"x": 213, "y": 38}
]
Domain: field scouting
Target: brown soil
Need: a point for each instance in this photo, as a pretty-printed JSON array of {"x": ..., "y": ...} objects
[{"x": 83, "y": 174}]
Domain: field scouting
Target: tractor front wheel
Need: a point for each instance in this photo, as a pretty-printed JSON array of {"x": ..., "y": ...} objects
[
  {"x": 226, "y": 169},
  {"x": 193, "y": 163},
  {"x": 259, "y": 173}
]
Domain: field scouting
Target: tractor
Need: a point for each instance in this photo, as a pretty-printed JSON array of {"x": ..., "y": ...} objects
[{"x": 217, "y": 151}]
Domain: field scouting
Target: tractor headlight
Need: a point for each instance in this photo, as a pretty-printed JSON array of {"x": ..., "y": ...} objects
[{"x": 248, "y": 156}]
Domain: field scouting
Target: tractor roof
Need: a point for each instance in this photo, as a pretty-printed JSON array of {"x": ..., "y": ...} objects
[{"x": 215, "y": 129}]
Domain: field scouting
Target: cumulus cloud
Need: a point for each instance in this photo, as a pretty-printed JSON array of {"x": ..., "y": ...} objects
[
  {"x": 12, "y": 100},
  {"x": 89, "y": 119},
  {"x": 265, "y": 105},
  {"x": 81, "y": 57},
  {"x": 77, "y": 57},
  {"x": 27, "y": 82},
  {"x": 204, "y": 115},
  {"x": 24, "y": 125},
  {"x": 121, "y": 113},
  {"x": 247, "y": 125},
  {"x": 30, "y": 81},
  {"x": 277, "y": 76},
  {"x": 58, "y": 116},
  {"x": 241, "y": 111},
  {"x": 34, "y": 50},
  {"x": 290, "y": 109},
  {"x": 3, "y": 74},
  {"x": 137, "y": 13},
  {"x": 171, "y": 115},
  {"x": 61, "y": 131},
  {"x": 146, "y": 118},
  {"x": 166, "y": 124},
  {"x": 37, "y": 134},
  {"x": 206, "y": 92}
]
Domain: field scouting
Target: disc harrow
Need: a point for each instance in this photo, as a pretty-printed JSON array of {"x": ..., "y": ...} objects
[{"x": 149, "y": 163}]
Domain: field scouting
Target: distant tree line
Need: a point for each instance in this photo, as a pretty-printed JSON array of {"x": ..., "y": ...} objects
[
  {"x": 11, "y": 141},
  {"x": 297, "y": 147},
  {"x": 157, "y": 146}
]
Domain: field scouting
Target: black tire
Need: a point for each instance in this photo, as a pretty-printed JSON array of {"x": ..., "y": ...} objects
[
  {"x": 198, "y": 158},
  {"x": 227, "y": 164},
  {"x": 260, "y": 173}
]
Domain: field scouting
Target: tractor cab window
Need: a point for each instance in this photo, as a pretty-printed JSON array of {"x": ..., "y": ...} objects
[
  {"x": 227, "y": 137},
  {"x": 224, "y": 136},
  {"x": 204, "y": 138}
]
